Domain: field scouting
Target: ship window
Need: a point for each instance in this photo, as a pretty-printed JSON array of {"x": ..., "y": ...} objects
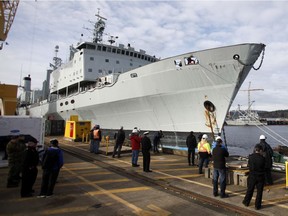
[
  {"x": 61, "y": 104},
  {"x": 149, "y": 59},
  {"x": 142, "y": 56},
  {"x": 117, "y": 62},
  {"x": 109, "y": 49},
  {"x": 131, "y": 53},
  {"x": 127, "y": 53},
  {"x": 114, "y": 50},
  {"x": 145, "y": 57},
  {"x": 66, "y": 102},
  {"x": 110, "y": 72},
  {"x": 91, "y": 58},
  {"x": 123, "y": 52},
  {"x": 81, "y": 53},
  {"x": 135, "y": 55},
  {"x": 133, "y": 75},
  {"x": 90, "y": 70},
  {"x": 209, "y": 106},
  {"x": 72, "y": 101},
  {"x": 104, "y": 49},
  {"x": 89, "y": 46},
  {"x": 139, "y": 55},
  {"x": 131, "y": 64},
  {"x": 99, "y": 48},
  {"x": 100, "y": 71},
  {"x": 106, "y": 60},
  {"x": 118, "y": 51}
]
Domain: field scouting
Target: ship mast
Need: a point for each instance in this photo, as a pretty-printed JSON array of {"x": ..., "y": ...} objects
[
  {"x": 99, "y": 28},
  {"x": 249, "y": 98}
]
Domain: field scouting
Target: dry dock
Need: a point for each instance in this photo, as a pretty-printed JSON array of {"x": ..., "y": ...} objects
[{"x": 92, "y": 184}]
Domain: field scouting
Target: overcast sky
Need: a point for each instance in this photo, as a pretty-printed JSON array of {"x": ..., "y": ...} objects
[{"x": 162, "y": 28}]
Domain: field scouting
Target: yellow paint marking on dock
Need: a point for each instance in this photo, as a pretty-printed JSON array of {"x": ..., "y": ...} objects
[
  {"x": 122, "y": 190},
  {"x": 108, "y": 181},
  {"x": 63, "y": 211},
  {"x": 180, "y": 176},
  {"x": 135, "y": 209},
  {"x": 174, "y": 164},
  {"x": 275, "y": 186},
  {"x": 178, "y": 169},
  {"x": 82, "y": 168}
]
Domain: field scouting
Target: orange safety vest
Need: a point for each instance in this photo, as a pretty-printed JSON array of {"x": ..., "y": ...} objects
[{"x": 96, "y": 134}]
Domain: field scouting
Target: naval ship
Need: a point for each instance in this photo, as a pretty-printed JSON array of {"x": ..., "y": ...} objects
[{"x": 117, "y": 85}]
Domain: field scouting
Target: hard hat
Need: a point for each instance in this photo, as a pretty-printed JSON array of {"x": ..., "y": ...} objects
[
  {"x": 262, "y": 137},
  {"x": 218, "y": 138},
  {"x": 204, "y": 136},
  {"x": 147, "y": 132},
  {"x": 134, "y": 131}
]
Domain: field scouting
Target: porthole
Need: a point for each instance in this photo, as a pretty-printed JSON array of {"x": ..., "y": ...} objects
[
  {"x": 209, "y": 106},
  {"x": 66, "y": 102},
  {"x": 72, "y": 101},
  {"x": 61, "y": 104}
]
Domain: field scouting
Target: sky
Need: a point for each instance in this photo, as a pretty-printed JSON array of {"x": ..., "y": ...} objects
[{"x": 162, "y": 28}]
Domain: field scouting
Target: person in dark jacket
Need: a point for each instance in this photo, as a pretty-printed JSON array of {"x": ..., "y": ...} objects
[
  {"x": 119, "y": 142},
  {"x": 256, "y": 177},
  {"x": 29, "y": 168},
  {"x": 156, "y": 140},
  {"x": 191, "y": 145},
  {"x": 219, "y": 163},
  {"x": 268, "y": 155},
  {"x": 146, "y": 147},
  {"x": 52, "y": 163}
]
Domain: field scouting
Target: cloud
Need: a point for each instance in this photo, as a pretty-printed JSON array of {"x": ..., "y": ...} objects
[{"x": 162, "y": 28}]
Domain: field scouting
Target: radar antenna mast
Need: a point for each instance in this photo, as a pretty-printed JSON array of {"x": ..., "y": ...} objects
[{"x": 99, "y": 28}]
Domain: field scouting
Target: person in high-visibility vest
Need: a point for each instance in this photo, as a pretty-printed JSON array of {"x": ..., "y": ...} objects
[{"x": 204, "y": 151}]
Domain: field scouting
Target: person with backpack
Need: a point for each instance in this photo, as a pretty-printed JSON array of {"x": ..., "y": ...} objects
[{"x": 52, "y": 163}]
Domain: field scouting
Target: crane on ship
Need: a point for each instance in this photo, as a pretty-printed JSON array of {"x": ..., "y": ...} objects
[{"x": 7, "y": 14}]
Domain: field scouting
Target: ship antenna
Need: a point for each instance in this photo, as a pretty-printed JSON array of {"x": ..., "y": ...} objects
[{"x": 99, "y": 28}]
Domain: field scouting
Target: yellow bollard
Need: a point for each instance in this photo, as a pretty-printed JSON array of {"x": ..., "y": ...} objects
[
  {"x": 286, "y": 167},
  {"x": 107, "y": 138}
]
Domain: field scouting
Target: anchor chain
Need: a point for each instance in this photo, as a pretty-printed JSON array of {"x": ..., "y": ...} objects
[{"x": 237, "y": 57}]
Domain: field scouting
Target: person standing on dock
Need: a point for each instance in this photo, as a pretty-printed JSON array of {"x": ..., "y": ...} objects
[
  {"x": 191, "y": 145},
  {"x": 52, "y": 163},
  {"x": 268, "y": 155},
  {"x": 256, "y": 177},
  {"x": 156, "y": 140},
  {"x": 92, "y": 143},
  {"x": 29, "y": 168},
  {"x": 204, "y": 151},
  {"x": 97, "y": 136},
  {"x": 135, "y": 144},
  {"x": 146, "y": 147},
  {"x": 219, "y": 163},
  {"x": 15, "y": 150},
  {"x": 119, "y": 142}
]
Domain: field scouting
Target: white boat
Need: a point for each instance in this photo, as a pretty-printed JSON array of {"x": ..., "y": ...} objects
[
  {"x": 248, "y": 117},
  {"x": 118, "y": 86}
]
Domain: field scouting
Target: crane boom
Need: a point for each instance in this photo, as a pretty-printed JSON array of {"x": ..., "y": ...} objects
[{"x": 7, "y": 14}]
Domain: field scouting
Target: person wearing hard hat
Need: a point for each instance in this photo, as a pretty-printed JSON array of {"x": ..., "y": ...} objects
[
  {"x": 268, "y": 155},
  {"x": 215, "y": 143},
  {"x": 204, "y": 151},
  {"x": 219, "y": 155}
]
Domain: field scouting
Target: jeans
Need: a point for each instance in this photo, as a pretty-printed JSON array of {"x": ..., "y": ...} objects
[
  {"x": 221, "y": 175},
  {"x": 135, "y": 154},
  {"x": 203, "y": 161},
  {"x": 96, "y": 146},
  {"x": 191, "y": 152}
]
